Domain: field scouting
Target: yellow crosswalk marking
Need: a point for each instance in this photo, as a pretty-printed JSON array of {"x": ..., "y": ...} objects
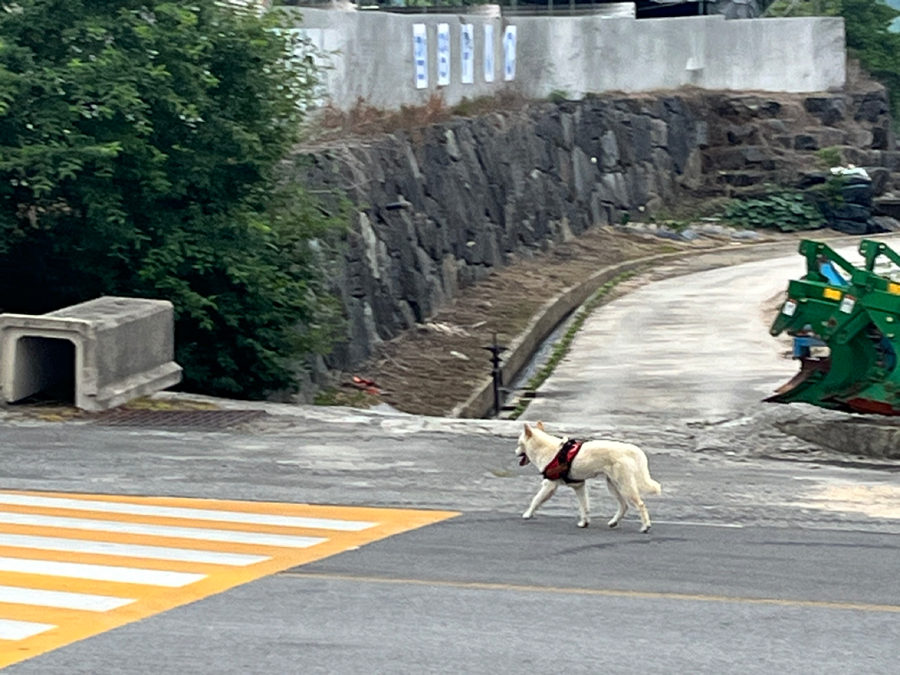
[{"x": 73, "y": 566}]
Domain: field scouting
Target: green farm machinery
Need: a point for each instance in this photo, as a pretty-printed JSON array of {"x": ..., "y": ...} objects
[{"x": 845, "y": 324}]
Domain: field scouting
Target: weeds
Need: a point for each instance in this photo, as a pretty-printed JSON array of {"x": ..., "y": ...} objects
[
  {"x": 335, "y": 396},
  {"x": 472, "y": 107},
  {"x": 364, "y": 119},
  {"x": 829, "y": 157}
]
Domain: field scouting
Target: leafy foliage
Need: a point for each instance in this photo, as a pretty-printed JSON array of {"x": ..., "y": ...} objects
[
  {"x": 785, "y": 210},
  {"x": 140, "y": 146},
  {"x": 869, "y": 39}
]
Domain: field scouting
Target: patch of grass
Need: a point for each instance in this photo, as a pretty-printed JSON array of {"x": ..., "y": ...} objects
[
  {"x": 147, "y": 403},
  {"x": 55, "y": 414},
  {"x": 471, "y": 107},
  {"x": 677, "y": 225},
  {"x": 365, "y": 119},
  {"x": 691, "y": 210},
  {"x": 513, "y": 319},
  {"x": 350, "y": 398},
  {"x": 830, "y": 192},
  {"x": 561, "y": 348}
]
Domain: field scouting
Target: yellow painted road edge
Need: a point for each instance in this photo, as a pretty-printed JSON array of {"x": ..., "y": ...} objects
[{"x": 605, "y": 592}]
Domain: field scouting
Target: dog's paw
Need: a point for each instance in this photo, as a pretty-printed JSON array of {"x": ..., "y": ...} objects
[
  {"x": 645, "y": 530},
  {"x": 527, "y": 516},
  {"x": 613, "y": 523},
  {"x": 584, "y": 523}
]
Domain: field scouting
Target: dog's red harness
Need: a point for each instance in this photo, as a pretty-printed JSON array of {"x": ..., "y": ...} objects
[{"x": 558, "y": 468}]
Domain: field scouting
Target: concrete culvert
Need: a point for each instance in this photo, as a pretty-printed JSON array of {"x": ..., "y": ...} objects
[{"x": 98, "y": 354}]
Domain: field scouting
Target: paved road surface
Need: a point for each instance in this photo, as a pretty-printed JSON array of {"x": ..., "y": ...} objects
[{"x": 767, "y": 554}]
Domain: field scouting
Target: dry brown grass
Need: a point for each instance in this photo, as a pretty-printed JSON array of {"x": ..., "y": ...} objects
[{"x": 367, "y": 120}]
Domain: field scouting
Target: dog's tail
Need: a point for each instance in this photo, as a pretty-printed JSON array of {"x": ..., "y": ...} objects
[
  {"x": 651, "y": 486},
  {"x": 648, "y": 484}
]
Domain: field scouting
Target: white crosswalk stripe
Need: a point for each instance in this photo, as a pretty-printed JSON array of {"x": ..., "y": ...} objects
[
  {"x": 179, "y": 512},
  {"x": 124, "y": 575},
  {"x": 233, "y": 536},
  {"x": 129, "y": 550},
  {"x": 19, "y": 630},
  {"x": 86, "y": 602}
]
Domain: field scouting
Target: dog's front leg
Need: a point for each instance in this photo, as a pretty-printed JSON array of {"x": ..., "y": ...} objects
[
  {"x": 623, "y": 505},
  {"x": 583, "y": 506},
  {"x": 548, "y": 487}
]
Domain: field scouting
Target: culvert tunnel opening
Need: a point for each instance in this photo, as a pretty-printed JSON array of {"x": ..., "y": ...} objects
[{"x": 44, "y": 370}]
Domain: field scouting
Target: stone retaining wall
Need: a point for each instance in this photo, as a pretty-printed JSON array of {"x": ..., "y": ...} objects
[{"x": 440, "y": 207}]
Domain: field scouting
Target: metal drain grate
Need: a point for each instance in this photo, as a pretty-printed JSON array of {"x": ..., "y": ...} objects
[{"x": 193, "y": 420}]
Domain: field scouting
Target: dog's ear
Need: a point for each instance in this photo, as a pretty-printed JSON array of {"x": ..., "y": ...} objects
[
  {"x": 528, "y": 431},
  {"x": 540, "y": 425}
]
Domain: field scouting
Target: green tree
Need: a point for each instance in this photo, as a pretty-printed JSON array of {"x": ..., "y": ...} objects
[
  {"x": 867, "y": 25},
  {"x": 869, "y": 39},
  {"x": 140, "y": 146}
]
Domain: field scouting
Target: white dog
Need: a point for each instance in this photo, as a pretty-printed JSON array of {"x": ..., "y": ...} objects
[{"x": 563, "y": 461}]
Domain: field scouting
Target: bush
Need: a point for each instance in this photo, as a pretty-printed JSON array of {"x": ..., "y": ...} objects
[
  {"x": 829, "y": 157},
  {"x": 785, "y": 210},
  {"x": 140, "y": 145}
]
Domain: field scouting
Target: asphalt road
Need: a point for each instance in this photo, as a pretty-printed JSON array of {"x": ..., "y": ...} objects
[
  {"x": 743, "y": 571},
  {"x": 767, "y": 555},
  {"x": 491, "y": 595}
]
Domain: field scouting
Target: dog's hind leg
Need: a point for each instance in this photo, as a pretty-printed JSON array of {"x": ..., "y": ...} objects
[
  {"x": 548, "y": 487},
  {"x": 645, "y": 516},
  {"x": 623, "y": 505},
  {"x": 583, "y": 506},
  {"x": 634, "y": 496}
]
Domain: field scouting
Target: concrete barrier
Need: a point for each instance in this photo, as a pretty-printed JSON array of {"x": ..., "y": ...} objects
[{"x": 98, "y": 354}]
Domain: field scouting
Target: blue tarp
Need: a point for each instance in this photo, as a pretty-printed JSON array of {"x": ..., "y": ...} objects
[{"x": 829, "y": 271}]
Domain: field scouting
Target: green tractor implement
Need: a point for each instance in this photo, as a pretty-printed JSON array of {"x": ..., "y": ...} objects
[{"x": 854, "y": 312}]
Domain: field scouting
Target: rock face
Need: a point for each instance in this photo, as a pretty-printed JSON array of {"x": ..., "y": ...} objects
[{"x": 438, "y": 208}]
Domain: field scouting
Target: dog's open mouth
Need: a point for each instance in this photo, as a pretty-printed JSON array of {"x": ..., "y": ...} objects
[{"x": 523, "y": 460}]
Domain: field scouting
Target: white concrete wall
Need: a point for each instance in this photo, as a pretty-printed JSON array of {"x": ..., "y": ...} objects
[{"x": 370, "y": 55}]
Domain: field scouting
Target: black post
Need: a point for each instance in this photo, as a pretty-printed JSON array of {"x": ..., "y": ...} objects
[{"x": 496, "y": 372}]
